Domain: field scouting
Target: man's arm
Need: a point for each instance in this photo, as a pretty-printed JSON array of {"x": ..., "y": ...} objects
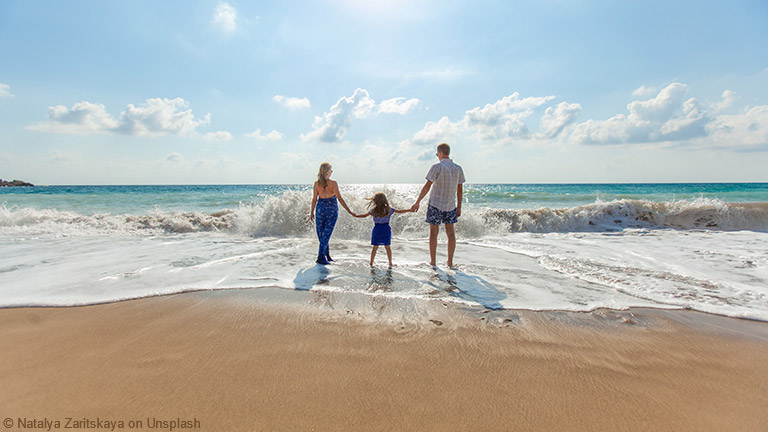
[
  {"x": 424, "y": 191},
  {"x": 459, "y": 197}
]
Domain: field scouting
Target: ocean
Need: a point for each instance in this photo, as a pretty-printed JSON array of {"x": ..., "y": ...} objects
[{"x": 574, "y": 247}]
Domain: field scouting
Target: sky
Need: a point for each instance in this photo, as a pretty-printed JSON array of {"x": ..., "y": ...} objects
[{"x": 246, "y": 92}]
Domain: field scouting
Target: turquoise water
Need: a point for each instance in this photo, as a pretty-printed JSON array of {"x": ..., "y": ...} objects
[
  {"x": 569, "y": 195},
  {"x": 89, "y": 200}
]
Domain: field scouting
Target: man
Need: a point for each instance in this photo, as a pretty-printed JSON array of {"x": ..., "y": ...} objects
[{"x": 444, "y": 200}]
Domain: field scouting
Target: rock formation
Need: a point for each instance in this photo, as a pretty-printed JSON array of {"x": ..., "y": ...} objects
[{"x": 4, "y": 183}]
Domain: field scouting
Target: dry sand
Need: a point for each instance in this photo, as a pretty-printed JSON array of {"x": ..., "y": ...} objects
[{"x": 232, "y": 361}]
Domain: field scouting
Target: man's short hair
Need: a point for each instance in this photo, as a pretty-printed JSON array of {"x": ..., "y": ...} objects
[{"x": 444, "y": 149}]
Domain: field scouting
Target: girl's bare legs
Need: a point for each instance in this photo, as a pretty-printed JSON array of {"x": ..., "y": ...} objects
[
  {"x": 389, "y": 254},
  {"x": 373, "y": 253}
]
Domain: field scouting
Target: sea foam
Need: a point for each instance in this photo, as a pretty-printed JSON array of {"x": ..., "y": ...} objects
[{"x": 287, "y": 215}]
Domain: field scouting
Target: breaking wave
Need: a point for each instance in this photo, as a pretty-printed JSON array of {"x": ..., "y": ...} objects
[{"x": 287, "y": 215}]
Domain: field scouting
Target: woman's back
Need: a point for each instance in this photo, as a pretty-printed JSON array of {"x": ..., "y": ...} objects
[{"x": 329, "y": 191}]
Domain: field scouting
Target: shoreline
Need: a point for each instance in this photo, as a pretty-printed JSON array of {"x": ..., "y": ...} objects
[
  {"x": 281, "y": 298},
  {"x": 269, "y": 359}
]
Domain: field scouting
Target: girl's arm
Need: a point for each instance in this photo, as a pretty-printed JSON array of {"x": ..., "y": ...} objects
[
  {"x": 361, "y": 215},
  {"x": 405, "y": 210},
  {"x": 341, "y": 200},
  {"x": 314, "y": 201}
]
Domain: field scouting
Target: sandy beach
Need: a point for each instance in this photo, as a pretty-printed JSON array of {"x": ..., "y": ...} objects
[{"x": 241, "y": 360}]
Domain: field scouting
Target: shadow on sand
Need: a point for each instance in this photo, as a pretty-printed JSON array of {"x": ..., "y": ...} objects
[
  {"x": 316, "y": 275},
  {"x": 469, "y": 287}
]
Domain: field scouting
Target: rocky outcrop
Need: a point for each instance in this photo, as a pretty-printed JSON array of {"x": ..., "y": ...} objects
[{"x": 4, "y": 183}]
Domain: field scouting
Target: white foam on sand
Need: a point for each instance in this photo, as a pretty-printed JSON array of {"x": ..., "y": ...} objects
[{"x": 719, "y": 272}]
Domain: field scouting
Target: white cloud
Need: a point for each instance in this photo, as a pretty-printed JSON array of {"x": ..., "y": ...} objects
[
  {"x": 504, "y": 118},
  {"x": 691, "y": 124},
  {"x": 398, "y": 105},
  {"x": 84, "y": 118},
  {"x": 158, "y": 117},
  {"x": 5, "y": 91},
  {"x": 274, "y": 135},
  {"x": 615, "y": 130},
  {"x": 501, "y": 121},
  {"x": 436, "y": 132},
  {"x": 742, "y": 131},
  {"x": 175, "y": 157},
  {"x": 362, "y": 103},
  {"x": 555, "y": 120},
  {"x": 426, "y": 154},
  {"x": 333, "y": 125},
  {"x": 154, "y": 118},
  {"x": 729, "y": 98},
  {"x": 225, "y": 17},
  {"x": 659, "y": 108},
  {"x": 662, "y": 118},
  {"x": 643, "y": 91},
  {"x": 218, "y": 136},
  {"x": 292, "y": 103}
]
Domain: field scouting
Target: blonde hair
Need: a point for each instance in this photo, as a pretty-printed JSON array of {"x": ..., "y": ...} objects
[
  {"x": 322, "y": 174},
  {"x": 380, "y": 205}
]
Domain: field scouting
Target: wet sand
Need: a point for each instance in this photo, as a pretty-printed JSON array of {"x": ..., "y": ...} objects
[{"x": 237, "y": 360}]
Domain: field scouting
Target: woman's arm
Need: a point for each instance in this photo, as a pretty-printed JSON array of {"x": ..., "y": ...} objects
[
  {"x": 341, "y": 200},
  {"x": 314, "y": 201}
]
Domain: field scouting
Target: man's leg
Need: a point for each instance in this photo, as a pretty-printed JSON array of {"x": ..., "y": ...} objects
[
  {"x": 433, "y": 231},
  {"x": 451, "y": 234}
]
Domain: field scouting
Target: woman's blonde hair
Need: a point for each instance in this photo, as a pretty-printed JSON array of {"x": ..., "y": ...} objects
[
  {"x": 322, "y": 174},
  {"x": 380, "y": 205}
]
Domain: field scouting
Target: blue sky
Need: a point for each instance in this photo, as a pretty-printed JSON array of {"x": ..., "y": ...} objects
[{"x": 146, "y": 92}]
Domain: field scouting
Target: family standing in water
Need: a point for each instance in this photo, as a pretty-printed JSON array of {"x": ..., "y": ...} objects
[{"x": 444, "y": 184}]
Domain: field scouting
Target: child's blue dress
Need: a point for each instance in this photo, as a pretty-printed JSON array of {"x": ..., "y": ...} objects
[{"x": 382, "y": 233}]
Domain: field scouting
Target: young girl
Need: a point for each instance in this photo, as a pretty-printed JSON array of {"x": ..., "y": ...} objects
[{"x": 382, "y": 233}]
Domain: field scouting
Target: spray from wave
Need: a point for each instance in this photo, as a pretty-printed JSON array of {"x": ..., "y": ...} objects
[
  {"x": 287, "y": 215},
  {"x": 702, "y": 213}
]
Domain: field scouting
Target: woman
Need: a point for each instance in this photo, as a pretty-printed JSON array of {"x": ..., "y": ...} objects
[{"x": 325, "y": 194}]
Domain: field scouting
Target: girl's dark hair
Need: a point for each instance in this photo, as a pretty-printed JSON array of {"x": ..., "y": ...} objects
[{"x": 380, "y": 205}]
